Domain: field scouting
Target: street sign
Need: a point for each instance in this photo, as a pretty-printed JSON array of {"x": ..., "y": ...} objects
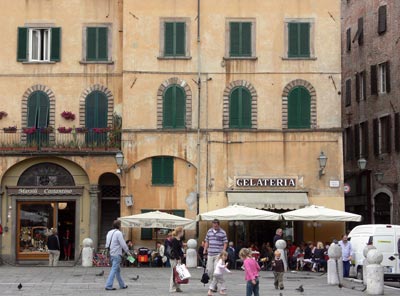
[{"x": 346, "y": 188}]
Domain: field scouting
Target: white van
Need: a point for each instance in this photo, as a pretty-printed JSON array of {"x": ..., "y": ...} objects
[{"x": 386, "y": 238}]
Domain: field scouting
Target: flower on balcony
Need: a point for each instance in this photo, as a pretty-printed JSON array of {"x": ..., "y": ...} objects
[
  {"x": 81, "y": 130},
  {"x": 64, "y": 130},
  {"x": 29, "y": 130},
  {"x": 3, "y": 114},
  {"x": 10, "y": 129},
  {"x": 101, "y": 130},
  {"x": 68, "y": 115},
  {"x": 46, "y": 130}
]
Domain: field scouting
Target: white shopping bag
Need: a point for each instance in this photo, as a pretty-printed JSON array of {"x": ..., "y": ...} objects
[{"x": 182, "y": 271}]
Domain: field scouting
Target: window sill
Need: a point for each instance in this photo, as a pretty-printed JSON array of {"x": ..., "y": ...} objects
[
  {"x": 174, "y": 58},
  {"x": 96, "y": 62},
  {"x": 39, "y": 62},
  {"x": 240, "y": 58},
  {"x": 299, "y": 58}
]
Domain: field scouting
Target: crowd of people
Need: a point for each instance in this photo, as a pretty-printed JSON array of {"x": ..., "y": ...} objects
[{"x": 218, "y": 256}]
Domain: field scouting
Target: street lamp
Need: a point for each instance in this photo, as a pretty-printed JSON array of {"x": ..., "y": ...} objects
[
  {"x": 362, "y": 163},
  {"x": 322, "y": 163},
  {"x": 119, "y": 158}
]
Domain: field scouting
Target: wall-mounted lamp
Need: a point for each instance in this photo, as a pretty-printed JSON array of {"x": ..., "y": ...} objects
[
  {"x": 119, "y": 158},
  {"x": 378, "y": 176},
  {"x": 322, "y": 163},
  {"x": 362, "y": 163}
]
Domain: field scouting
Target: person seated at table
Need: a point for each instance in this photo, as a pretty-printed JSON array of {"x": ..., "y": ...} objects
[
  {"x": 157, "y": 254},
  {"x": 130, "y": 245}
]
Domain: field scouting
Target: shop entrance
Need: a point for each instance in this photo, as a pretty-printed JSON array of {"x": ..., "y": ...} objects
[{"x": 66, "y": 229}]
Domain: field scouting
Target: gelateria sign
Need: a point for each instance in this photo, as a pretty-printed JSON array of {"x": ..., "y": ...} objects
[
  {"x": 265, "y": 182},
  {"x": 23, "y": 191}
]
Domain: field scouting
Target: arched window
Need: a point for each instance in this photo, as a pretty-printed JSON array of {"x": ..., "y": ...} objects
[
  {"x": 174, "y": 107},
  {"x": 382, "y": 209},
  {"x": 96, "y": 110},
  {"x": 299, "y": 108},
  {"x": 38, "y": 110},
  {"x": 240, "y": 108}
]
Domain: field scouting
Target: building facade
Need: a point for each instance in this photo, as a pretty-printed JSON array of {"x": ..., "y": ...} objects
[
  {"x": 370, "y": 108},
  {"x": 210, "y": 103}
]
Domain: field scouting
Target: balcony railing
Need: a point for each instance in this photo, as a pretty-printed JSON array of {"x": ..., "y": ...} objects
[{"x": 53, "y": 140}]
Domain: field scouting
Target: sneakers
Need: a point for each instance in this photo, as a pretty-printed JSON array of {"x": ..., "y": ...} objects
[
  {"x": 222, "y": 292},
  {"x": 178, "y": 290}
]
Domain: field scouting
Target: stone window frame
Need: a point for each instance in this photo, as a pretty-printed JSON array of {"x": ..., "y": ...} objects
[
  {"x": 311, "y": 21},
  {"x": 52, "y": 108},
  {"x": 228, "y": 36},
  {"x": 163, "y": 20},
  {"x": 109, "y": 43},
  {"x": 160, "y": 95},
  {"x": 82, "y": 103},
  {"x": 227, "y": 92},
  {"x": 313, "y": 107}
]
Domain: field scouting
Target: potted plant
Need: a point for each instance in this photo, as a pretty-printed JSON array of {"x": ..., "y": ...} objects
[
  {"x": 81, "y": 130},
  {"x": 3, "y": 114},
  {"x": 101, "y": 130},
  {"x": 64, "y": 130},
  {"x": 46, "y": 130},
  {"x": 10, "y": 129},
  {"x": 68, "y": 115},
  {"x": 29, "y": 130}
]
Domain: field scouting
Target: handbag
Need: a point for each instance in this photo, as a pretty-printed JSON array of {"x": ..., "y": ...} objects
[{"x": 181, "y": 274}]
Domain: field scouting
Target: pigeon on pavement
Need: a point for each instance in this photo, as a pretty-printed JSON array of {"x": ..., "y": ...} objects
[
  {"x": 101, "y": 273},
  {"x": 19, "y": 286},
  {"x": 135, "y": 278},
  {"x": 300, "y": 289}
]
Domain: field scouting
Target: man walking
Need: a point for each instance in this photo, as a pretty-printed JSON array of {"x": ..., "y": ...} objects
[
  {"x": 216, "y": 241},
  {"x": 115, "y": 241},
  {"x": 346, "y": 255},
  {"x": 53, "y": 244}
]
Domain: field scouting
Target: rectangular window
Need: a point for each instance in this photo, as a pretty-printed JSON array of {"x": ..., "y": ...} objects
[
  {"x": 361, "y": 86},
  {"x": 357, "y": 144},
  {"x": 348, "y": 92},
  {"x": 299, "y": 40},
  {"x": 240, "y": 39},
  {"x": 384, "y": 78},
  {"x": 360, "y": 31},
  {"x": 385, "y": 134},
  {"x": 374, "y": 80},
  {"x": 364, "y": 139},
  {"x": 349, "y": 143},
  {"x": 397, "y": 132},
  {"x": 348, "y": 39},
  {"x": 382, "y": 19},
  {"x": 174, "y": 39},
  {"x": 97, "y": 44},
  {"x": 39, "y": 44},
  {"x": 163, "y": 170}
]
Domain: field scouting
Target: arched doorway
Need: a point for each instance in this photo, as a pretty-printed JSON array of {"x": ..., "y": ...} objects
[
  {"x": 110, "y": 208},
  {"x": 382, "y": 209}
]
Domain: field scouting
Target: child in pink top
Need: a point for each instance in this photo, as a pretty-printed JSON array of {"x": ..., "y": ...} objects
[{"x": 251, "y": 269}]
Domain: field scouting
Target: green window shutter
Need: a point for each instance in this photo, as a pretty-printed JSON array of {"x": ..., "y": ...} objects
[
  {"x": 102, "y": 109},
  {"x": 91, "y": 44},
  {"x": 234, "y": 33},
  {"x": 32, "y": 110},
  {"x": 246, "y": 39},
  {"x": 180, "y": 39},
  {"x": 304, "y": 40},
  {"x": 180, "y": 107},
  {"x": 169, "y": 39},
  {"x": 374, "y": 80},
  {"x": 293, "y": 39},
  {"x": 55, "y": 46},
  {"x": 168, "y": 108},
  {"x": 90, "y": 106},
  {"x": 168, "y": 170},
  {"x": 246, "y": 108},
  {"x": 299, "y": 108},
  {"x": 102, "y": 44},
  {"x": 156, "y": 170},
  {"x": 43, "y": 109},
  {"x": 234, "y": 108},
  {"x": 146, "y": 233},
  {"x": 22, "y": 47}
]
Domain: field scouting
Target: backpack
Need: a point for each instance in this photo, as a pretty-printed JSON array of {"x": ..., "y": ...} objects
[{"x": 168, "y": 250}]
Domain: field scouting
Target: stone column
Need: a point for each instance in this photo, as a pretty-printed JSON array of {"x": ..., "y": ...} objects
[
  {"x": 280, "y": 245},
  {"x": 374, "y": 273},
  {"x": 94, "y": 214},
  {"x": 191, "y": 254},
  {"x": 365, "y": 262},
  {"x": 335, "y": 265},
  {"x": 87, "y": 253}
]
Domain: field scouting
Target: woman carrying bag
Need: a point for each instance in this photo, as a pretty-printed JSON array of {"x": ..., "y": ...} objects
[{"x": 176, "y": 257}]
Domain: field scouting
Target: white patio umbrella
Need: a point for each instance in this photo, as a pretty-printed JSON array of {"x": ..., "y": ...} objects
[
  {"x": 320, "y": 213},
  {"x": 237, "y": 212},
  {"x": 155, "y": 219}
]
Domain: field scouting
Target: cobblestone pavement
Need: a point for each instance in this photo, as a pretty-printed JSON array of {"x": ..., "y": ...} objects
[{"x": 155, "y": 281}]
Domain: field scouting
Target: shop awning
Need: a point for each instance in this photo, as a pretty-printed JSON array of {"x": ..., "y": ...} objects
[{"x": 269, "y": 200}]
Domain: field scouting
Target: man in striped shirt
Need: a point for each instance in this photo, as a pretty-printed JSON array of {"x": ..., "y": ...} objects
[{"x": 216, "y": 241}]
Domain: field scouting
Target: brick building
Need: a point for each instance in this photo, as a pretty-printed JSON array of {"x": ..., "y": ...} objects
[{"x": 370, "y": 108}]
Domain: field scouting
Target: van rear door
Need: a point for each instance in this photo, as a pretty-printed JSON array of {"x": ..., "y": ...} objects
[{"x": 396, "y": 254}]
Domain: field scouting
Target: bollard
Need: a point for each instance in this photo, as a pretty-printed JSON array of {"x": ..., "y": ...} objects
[
  {"x": 191, "y": 253},
  {"x": 374, "y": 272},
  {"x": 87, "y": 252},
  {"x": 365, "y": 263},
  {"x": 335, "y": 265},
  {"x": 280, "y": 245}
]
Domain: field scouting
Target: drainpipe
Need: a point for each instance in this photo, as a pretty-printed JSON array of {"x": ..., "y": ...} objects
[{"x": 198, "y": 111}]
